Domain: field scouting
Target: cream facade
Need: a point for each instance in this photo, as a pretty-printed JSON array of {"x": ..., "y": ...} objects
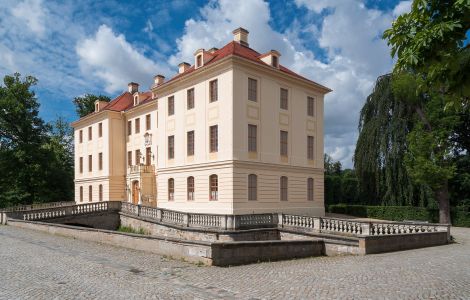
[{"x": 236, "y": 133}]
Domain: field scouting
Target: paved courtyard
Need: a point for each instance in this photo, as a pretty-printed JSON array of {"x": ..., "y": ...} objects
[{"x": 36, "y": 265}]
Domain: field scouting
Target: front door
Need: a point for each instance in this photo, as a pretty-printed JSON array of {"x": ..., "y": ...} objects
[{"x": 135, "y": 192}]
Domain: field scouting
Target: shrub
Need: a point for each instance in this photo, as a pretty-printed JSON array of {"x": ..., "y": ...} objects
[{"x": 460, "y": 215}]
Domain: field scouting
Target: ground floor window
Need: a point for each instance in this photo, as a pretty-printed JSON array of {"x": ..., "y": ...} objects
[
  {"x": 284, "y": 188},
  {"x": 90, "y": 193},
  {"x": 213, "y": 188},
  {"x": 100, "y": 188},
  {"x": 81, "y": 194},
  {"x": 252, "y": 187},
  {"x": 171, "y": 189},
  {"x": 310, "y": 189},
  {"x": 190, "y": 188}
]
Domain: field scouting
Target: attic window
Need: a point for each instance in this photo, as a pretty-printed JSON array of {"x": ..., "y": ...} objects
[
  {"x": 97, "y": 107},
  {"x": 275, "y": 61},
  {"x": 136, "y": 100},
  {"x": 198, "y": 61}
]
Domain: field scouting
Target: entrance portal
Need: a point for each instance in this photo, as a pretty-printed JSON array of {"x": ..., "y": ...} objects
[{"x": 135, "y": 192}]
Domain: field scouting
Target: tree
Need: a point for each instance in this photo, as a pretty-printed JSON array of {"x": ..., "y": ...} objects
[
  {"x": 86, "y": 104},
  {"x": 384, "y": 124},
  {"x": 430, "y": 42},
  {"x": 36, "y": 162},
  {"x": 432, "y": 75}
]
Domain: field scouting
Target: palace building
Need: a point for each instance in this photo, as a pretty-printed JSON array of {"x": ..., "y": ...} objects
[{"x": 236, "y": 132}]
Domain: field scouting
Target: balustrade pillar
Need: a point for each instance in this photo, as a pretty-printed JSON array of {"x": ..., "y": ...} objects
[
  {"x": 316, "y": 224},
  {"x": 366, "y": 228},
  {"x": 231, "y": 222},
  {"x": 186, "y": 220},
  {"x": 138, "y": 210},
  {"x": 159, "y": 215},
  {"x": 280, "y": 219},
  {"x": 223, "y": 222}
]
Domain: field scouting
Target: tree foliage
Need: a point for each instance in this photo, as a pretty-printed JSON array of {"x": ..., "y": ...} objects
[
  {"x": 430, "y": 41},
  {"x": 35, "y": 160},
  {"x": 86, "y": 104}
]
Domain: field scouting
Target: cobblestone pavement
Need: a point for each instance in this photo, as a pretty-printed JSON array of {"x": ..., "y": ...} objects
[{"x": 36, "y": 265}]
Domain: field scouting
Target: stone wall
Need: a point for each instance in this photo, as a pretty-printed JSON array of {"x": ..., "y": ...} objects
[{"x": 388, "y": 243}]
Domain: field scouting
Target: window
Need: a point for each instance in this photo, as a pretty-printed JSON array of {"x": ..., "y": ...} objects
[
  {"x": 100, "y": 129},
  {"x": 100, "y": 190},
  {"x": 310, "y": 189},
  {"x": 90, "y": 193},
  {"x": 214, "y": 140},
  {"x": 148, "y": 122},
  {"x": 81, "y": 164},
  {"x": 190, "y": 143},
  {"x": 213, "y": 91},
  {"x": 252, "y": 138},
  {"x": 100, "y": 161},
  {"x": 171, "y": 147},
  {"x": 90, "y": 163},
  {"x": 190, "y": 188},
  {"x": 198, "y": 61},
  {"x": 137, "y": 157},
  {"x": 171, "y": 105},
  {"x": 284, "y": 99},
  {"x": 284, "y": 138},
  {"x": 275, "y": 61},
  {"x": 171, "y": 189},
  {"x": 310, "y": 147},
  {"x": 213, "y": 188},
  {"x": 80, "y": 136},
  {"x": 252, "y": 187},
  {"x": 310, "y": 106},
  {"x": 252, "y": 89},
  {"x": 283, "y": 188},
  {"x": 129, "y": 158},
  {"x": 81, "y": 194},
  {"x": 148, "y": 154},
  {"x": 90, "y": 132},
  {"x": 129, "y": 127},
  {"x": 190, "y": 99},
  {"x": 137, "y": 125}
]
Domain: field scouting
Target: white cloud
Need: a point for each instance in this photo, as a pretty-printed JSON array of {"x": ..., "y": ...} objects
[
  {"x": 402, "y": 7},
  {"x": 115, "y": 61},
  {"x": 350, "y": 35},
  {"x": 33, "y": 14}
]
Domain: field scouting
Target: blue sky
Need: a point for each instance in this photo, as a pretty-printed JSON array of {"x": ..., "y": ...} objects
[{"x": 78, "y": 47}]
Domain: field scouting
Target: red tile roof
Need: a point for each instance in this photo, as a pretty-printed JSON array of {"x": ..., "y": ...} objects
[
  {"x": 234, "y": 48},
  {"x": 126, "y": 101}
]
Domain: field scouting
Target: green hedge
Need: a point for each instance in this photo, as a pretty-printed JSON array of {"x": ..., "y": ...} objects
[{"x": 460, "y": 215}]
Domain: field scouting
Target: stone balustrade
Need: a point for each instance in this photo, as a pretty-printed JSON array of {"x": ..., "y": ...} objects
[
  {"x": 37, "y": 206},
  {"x": 236, "y": 222}
]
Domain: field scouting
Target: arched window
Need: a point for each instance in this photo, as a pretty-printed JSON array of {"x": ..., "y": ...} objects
[
  {"x": 100, "y": 189},
  {"x": 171, "y": 189},
  {"x": 252, "y": 187},
  {"x": 190, "y": 188},
  {"x": 81, "y": 194},
  {"x": 90, "y": 193},
  {"x": 213, "y": 188},
  {"x": 310, "y": 189},
  {"x": 283, "y": 188}
]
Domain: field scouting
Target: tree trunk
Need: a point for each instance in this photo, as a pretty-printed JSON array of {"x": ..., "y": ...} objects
[{"x": 442, "y": 197}]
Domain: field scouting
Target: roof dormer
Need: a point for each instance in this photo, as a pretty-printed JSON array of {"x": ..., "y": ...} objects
[
  {"x": 271, "y": 58},
  {"x": 99, "y": 105},
  {"x": 183, "y": 67},
  {"x": 201, "y": 56},
  {"x": 136, "y": 99}
]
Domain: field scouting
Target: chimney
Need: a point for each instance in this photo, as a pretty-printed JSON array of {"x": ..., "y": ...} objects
[
  {"x": 240, "y": 35},
  {"x": 159, "y": 79},
  {"x": 133, "y": 87},
  {"x": 182, "y": 67},
  {"x": 212, "y": 50}
]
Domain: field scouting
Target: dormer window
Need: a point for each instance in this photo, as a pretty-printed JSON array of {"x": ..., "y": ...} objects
[
  {"x": 275, "y": 61},
  {"x": 271, "y": 58},
  {"x": 97, "y": 107},
  {"x": 136, "y": 100},
  {"x": 199, "y": 61}
]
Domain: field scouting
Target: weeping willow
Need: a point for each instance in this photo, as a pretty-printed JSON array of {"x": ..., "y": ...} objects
[{"x": 378, "y": 159}]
